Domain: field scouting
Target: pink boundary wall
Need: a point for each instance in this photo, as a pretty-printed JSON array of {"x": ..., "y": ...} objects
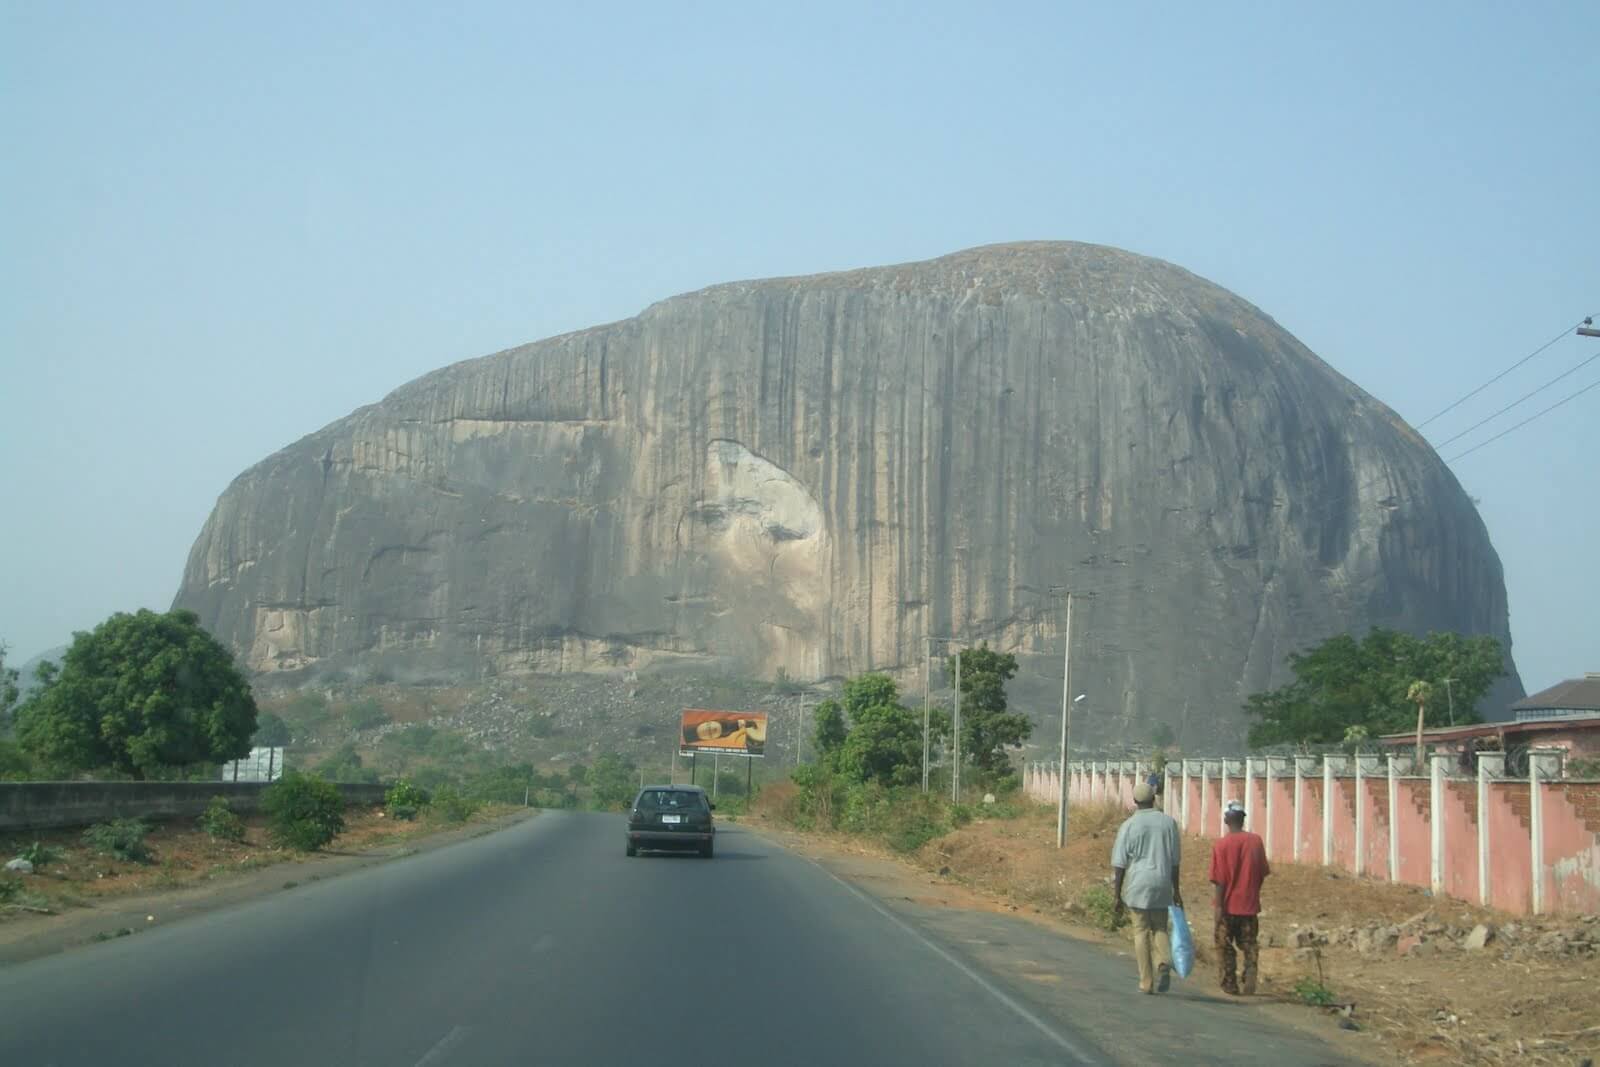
[{"x": 1569, "y": 817}]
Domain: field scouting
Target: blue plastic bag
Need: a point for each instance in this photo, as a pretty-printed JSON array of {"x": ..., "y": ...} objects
[{"x": 1182, "y": 941}]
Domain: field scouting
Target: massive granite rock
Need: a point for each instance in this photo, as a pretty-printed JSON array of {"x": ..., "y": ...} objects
[{"x": 817, "y": 474}]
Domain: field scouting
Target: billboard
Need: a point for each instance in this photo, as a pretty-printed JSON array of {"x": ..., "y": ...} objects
[{"x": 732, "y": 733}]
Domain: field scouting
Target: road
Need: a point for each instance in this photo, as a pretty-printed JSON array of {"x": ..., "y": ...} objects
[{"x": 542, "y": 944}]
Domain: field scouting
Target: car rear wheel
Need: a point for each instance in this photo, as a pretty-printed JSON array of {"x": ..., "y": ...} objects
[
  {"x": 705, "y": 850},
  {"x": 633, "y": 849}
]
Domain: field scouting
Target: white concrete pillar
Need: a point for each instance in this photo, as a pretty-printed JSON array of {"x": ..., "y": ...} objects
[
  {"x": 1183, "y": 801},
  {"x": 1361, "y": 821},
  {"x": 1489, "y": 767},
  {"x": 1249, "y": 791},
  {"x": 1437, "y": 764},
  {"x": 1205, "y": 793},
  {"x": 1543, "y": 765},
  {"x": 1394, "y": 821},
  {"x": 1268, "y": 776},
  {"x": 1327, "y": 812},
  {"x": 1222, "y": 799}
]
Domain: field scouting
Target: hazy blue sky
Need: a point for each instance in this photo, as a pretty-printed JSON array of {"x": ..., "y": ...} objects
[{"x": 223, "y": 229}]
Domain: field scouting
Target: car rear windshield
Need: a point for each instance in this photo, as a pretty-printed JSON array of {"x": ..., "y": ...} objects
[{"x": 672, "y": 800}]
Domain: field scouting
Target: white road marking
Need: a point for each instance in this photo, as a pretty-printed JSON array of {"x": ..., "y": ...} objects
[
  {"x": 1067, "y": 1044},
  {"x": 439, "y": 1052}
]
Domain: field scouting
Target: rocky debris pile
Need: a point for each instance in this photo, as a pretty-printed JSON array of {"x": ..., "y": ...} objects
[{"x": 1426, "y": 934}]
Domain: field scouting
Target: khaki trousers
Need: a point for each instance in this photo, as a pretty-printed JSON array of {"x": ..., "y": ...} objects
[{"x": 1152, "y": 946}]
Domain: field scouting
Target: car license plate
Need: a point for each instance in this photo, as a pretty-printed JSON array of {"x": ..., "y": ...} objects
[{"x": 672, "y": 818}]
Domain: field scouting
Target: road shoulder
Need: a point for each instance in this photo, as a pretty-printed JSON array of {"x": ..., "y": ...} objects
[
  {"x": 47, "y": 936},
  {"x": 1058, "y": 968}
]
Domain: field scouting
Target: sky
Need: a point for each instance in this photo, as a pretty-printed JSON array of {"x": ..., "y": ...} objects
[{"x": 225, "y": 226}]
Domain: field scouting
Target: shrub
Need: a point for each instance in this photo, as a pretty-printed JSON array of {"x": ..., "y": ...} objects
[
  {"x": 122, "y": 839},
  {"x": 303, "y": 812},
  {"x": 1100, "y": 907},
  {"x": 365, "y": 713},
  {"x": 344, "y": 764},
  {"x": 40, "y": 854},
  {"x": 1312, "y": 992},
  {"x": 405, "y": 799},
  {"x": 219, "y": 822},
  {"x": 452, "y": 806}
]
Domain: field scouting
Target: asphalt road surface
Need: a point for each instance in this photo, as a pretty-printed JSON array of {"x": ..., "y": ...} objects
[{"x": 543, "y": 944}]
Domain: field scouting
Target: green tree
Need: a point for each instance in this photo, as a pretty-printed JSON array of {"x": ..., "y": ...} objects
[
  {"x": 303, "y": 812},
  {"x": 344, "y": 764},
  {"x": 987, "y": 728},
  {"x": 1419, "y": 693},
  {"x": 365, "y": 713},
  {"x": 869, "y": 736},
  {"x": 884, "y": 745},
  {"x": 1345, "y": 682},
  {"x": 614, "y": 779},
  {"x": 9, "y": 691},
  {"x": 140, "y": 693},
  {"x": 829, "y": 731},
  {"x": 271, "y": 731}
]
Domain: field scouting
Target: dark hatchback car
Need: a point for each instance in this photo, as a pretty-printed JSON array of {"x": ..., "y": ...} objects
[{"x": 675, "y": 818}]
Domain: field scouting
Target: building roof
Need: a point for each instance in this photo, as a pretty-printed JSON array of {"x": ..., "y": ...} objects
[
  {"x": 1496, "y": 729},
  {"x": 1582, "y": 694}
]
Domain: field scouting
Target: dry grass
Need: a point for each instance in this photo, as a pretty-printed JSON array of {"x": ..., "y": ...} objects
[
  {"x": 1454, "y": 1007},
  {"x": 183, "y": 855}
]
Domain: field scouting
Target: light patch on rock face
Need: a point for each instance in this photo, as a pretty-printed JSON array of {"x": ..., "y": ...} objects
[
  {"x": 282, "y": 636},
  {"x": 765, "y": 525},
  {"x": 747, "y": 488}
]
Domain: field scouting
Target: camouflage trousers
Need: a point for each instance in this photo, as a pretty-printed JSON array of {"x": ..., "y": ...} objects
[{"x": 1241, "y": 932}]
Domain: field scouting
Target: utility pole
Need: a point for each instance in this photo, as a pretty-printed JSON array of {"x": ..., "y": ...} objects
[
  {"x": 1066, "y": 720},
  {"x": 927, "y": 701},
  {"x": 800, "y": 730},
  {"x": 955, "y": 739}
]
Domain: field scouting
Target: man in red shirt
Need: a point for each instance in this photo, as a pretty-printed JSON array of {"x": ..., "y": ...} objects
[{"x": 1238, "y": 867}]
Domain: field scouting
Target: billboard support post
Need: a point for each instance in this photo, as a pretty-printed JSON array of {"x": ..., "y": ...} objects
[{"x": 749, "y": 778}]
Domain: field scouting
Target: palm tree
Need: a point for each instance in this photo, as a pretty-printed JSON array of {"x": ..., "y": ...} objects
[{"x": 1420, "y": 693}]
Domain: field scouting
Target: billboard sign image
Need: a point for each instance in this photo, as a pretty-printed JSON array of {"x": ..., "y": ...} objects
[{"x": 734, "y": 733}]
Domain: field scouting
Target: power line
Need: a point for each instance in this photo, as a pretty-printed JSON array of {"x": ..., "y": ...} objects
[
  {"x": 1524, "y": 422},
  {"x": 1514, "y": 403},
  {"x": 1565, "y": 330}
]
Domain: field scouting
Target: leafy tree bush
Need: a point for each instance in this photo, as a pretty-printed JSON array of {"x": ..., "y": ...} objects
[
  {"x": 40, "y": 854},
  {"x": 303, "y": 812},
  {"x": 121, "y": 839},
  {"x": 219, "y": 821},
  {"x": 614, "y": 780},
  {"x": 344, "y": 764},
  {"x": 829, "y": 730},
  {"x": 1100, "y": 908},
  {"x": 451, "y": 806},
  {"x": 884, "y": 745},
  {"x": 987, "y": 728},
  {"x": 1343, "y": 682},
  {"x": 365, "y": 714},
  {"x": 9, "y": 691},
  {"x": 405, "y": 800},
  {"x": 140, "y": 693},
  {"x": 271, "y": 731},
  {"x": 307, "y": 713},
  {"x": 15, "y": 763}
]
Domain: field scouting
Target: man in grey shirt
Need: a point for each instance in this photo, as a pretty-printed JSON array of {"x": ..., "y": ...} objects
[{"x": 1144, "y": 876}]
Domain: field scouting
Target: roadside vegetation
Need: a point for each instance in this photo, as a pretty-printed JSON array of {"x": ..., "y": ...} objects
[
  {"x": 1347, "y": 690},
  {"x": 866, "y": 779}
]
